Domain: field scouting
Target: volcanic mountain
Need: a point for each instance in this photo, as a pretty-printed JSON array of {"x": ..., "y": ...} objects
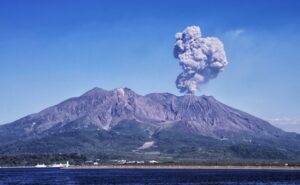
[{"x": 122, "y": 124}]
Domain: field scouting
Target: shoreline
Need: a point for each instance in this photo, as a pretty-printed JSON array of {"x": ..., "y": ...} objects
[
  {"x": 153, "y": 167},
  {"x": 188, "y": 167}
]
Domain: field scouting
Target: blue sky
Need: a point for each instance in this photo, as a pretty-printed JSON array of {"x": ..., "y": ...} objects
[{"x": 53, "y": 50}]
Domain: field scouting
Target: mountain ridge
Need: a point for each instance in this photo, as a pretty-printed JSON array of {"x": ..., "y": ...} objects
[{"x": 120, "y": 114}]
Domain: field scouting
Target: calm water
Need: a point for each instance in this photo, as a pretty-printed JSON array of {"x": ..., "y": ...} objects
[{"x": 147, "y": 176}]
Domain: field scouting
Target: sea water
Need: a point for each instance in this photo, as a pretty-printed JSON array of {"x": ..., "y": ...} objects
[{"x": 31, "y": 176}]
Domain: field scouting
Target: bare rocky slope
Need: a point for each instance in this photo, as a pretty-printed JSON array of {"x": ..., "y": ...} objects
[{"x": 120, "y": 123}]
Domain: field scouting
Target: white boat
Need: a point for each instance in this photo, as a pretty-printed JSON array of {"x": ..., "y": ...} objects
[
  {"x": 60, "y": 165},
  {"x": 40, "y": 166},
  {"x": 57, "y": 165}
]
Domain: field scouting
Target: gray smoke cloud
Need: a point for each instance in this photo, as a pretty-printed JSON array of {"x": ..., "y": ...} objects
[{"x": 201, "y": 58}]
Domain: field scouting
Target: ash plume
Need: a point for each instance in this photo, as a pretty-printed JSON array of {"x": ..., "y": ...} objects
[{"x": 201, "y": 59}]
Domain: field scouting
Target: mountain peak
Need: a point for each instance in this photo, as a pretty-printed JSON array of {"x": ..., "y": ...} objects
[
  {"x": 122, "y": 91},
  {"x": 94, "y": 91}
]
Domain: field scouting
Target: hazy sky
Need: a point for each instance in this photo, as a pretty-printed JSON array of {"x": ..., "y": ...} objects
[{"x": 51, "y": 50}]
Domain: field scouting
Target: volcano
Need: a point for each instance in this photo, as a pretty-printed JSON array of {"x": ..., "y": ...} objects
[{"x": 123, "y": 124}]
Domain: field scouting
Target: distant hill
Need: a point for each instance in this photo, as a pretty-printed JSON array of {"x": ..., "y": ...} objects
[{"x": 122, "y": 124}]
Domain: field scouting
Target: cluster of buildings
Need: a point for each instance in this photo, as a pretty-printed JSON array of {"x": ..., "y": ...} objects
[{"x": 121, "y": 162}]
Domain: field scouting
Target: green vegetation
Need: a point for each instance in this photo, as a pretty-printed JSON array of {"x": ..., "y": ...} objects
[
  {"x": 235, "y": 162},
  {"x": 257, "y": 152},
  {"x": 33, "y": 159}
]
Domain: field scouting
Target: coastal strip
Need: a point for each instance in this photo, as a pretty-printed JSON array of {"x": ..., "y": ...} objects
[{"x": 185, "y": 167}]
